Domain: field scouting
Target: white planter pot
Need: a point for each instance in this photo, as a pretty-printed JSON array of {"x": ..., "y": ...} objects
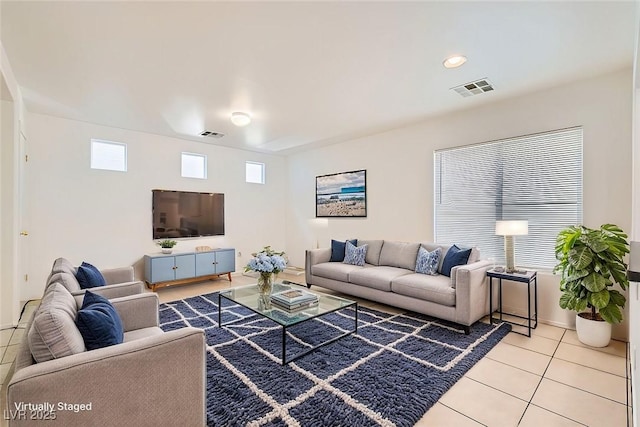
[
  {"x": 167, "y": 250},
  {"x": 592, "y": 332}
]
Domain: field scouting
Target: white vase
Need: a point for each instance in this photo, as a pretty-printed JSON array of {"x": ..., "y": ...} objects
[
  {"x": 593, "y": 333},
  {"x": 167, "y": 250}
]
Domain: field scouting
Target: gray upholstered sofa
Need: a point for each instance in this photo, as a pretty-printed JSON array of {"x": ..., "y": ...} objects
[
  {"x": 389, "y": 277},
  {"x": 149, "y": 379}
]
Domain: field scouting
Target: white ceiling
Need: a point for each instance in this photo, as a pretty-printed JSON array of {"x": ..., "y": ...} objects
[{"x": 309, "y": 73}]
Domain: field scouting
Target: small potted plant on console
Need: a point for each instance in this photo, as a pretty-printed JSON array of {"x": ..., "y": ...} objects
[{"x": 167, "y": 245}]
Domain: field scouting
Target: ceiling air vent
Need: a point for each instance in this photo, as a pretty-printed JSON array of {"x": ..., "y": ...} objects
[
  {"x": 210, "y": 134},
  {"x": 474, "y": 88}
]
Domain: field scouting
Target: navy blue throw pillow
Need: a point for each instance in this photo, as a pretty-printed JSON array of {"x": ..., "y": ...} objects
[
  {"x": 89, "y": 276},
  {"x": 99, "y": 322},
  {"x": 455, "y": 256},
  {"x": 337, "y": 249}
]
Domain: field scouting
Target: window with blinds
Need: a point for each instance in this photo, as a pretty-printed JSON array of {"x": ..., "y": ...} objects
[{"x": 536, "y": 178}]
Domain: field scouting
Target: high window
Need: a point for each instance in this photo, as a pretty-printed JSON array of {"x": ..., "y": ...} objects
[
  {"x": 194, "y": 165},
  {"x": 108, "y": 155},
  {"x": 536, "y": 178},
  {"x": 255, "y": 172}
]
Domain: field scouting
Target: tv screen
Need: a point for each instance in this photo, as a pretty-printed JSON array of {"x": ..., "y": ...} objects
[{"x": 187, "y": 214}]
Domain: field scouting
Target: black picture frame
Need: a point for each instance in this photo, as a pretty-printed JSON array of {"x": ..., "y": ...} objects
[{"x": 342, "y": 195}]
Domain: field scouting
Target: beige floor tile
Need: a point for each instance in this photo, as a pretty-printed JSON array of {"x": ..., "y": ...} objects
[
  {"x": 5, "y": 336},
  {"x": 508, "y": 379},
  {"x": 472, "y": 399},
  {"x": 17, "y": 336},
  {"x": 530, "y": 361},
  {"x": 579, "y": 405},
  {"x": 549, "y": 331},
  {"x": 2, "y": 350},
  {"x": 534, "y": 343},
  {"x": 594, "y": 381},
  {"x": 10, "y": 354},
  {"x": 592, "y": 359},
  {"x": 443, "y": 416},
  {"x": 617, "y": 348},
  {"x": 535, "y": 416},
  {"x": 507, "y": 317}
]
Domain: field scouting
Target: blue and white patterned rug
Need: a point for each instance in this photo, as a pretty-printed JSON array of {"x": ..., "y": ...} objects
[{"x": 389, "y": 374}]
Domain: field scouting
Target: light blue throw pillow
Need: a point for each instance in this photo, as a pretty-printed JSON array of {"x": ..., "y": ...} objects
[
  {"x": 355, "y": 255},
  {"x": 427, "y": 262}
]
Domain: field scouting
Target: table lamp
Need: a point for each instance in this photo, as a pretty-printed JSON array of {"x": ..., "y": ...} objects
[{"x": 508, "y": 229}]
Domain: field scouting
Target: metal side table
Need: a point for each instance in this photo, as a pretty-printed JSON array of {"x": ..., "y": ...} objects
[{"x": 529, "y": 277}]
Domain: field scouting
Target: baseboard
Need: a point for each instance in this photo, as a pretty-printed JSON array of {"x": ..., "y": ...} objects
[
  {"x": 523, "y": 313},
  {"x": 294, "y": 271}
]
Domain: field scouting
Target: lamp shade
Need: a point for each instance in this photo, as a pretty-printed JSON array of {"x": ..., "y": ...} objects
[{"x": 512, "y": 228}]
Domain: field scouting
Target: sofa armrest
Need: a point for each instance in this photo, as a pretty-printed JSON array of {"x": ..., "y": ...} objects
[
  {"x": 115, "y": 291},
  {"x": 313, "y": 257},
  {"x": 118, "y": 275},
  {"x": 125, "y": 384},
  {"x": 472, "y": 302},
  {"x": 136, "y": 311}
]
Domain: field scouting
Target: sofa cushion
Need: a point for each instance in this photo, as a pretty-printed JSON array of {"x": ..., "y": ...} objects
[
  {"x": 436, "y": 289},
  {"x": 99, "y": 322},
  {"x": 377, "y": 277},
  {"x": 338, "y": 248},
  {"x": 355, "y": 255},
  {"x": 334, "y": 270},
  {"x": 399, "y": 254},
  {"x": 455, "y": 256},
  {"x": 89, "y": 276},
  {"x": 67, "y": 280},
  {"x": 427, "y": 262},
  {"x": 432, "y": 247},
  {"x": 53, "y": 332},
  {"x": 373, "y": 250},
  {"x": 137, "y": 334}
]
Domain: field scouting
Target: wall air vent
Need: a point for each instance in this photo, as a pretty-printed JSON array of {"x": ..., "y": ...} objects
[
  {"x": 210, "y": 134},
  {"x": 474, "y": 88}
]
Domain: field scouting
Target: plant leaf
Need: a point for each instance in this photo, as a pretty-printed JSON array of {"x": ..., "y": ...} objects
[
  {"x": 599, "y": 299},
  {"x": 611, "y": 313},
  {"x": 594, "y": 282},
  {"x": 580, "y": 257},
  {"x": 617, "y": 298}
]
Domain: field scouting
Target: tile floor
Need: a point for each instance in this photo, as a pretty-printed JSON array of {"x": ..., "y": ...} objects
[{"x": 547, "y": 380}]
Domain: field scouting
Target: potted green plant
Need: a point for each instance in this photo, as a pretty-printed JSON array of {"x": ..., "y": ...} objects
[
  {"x": 167, "y": 245},
  {"x": 591, "y": 261}
]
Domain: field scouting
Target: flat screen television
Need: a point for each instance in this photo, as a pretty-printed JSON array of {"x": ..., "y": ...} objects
[{"x": 187, "y": 214}]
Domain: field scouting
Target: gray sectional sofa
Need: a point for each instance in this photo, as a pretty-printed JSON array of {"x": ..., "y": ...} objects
[
  {"x": 389, "y": 277},
  {"x": 151, "y": 377}
]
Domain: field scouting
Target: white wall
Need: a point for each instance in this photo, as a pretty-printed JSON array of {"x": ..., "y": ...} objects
[
  {"x": 399, "y": 168},
  {"x": 104, "y": 217},
  {"x": 12, "y": 123}
]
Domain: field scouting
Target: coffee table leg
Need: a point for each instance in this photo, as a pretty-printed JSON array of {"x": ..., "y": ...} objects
[
  {"x": 219, "y": 311},
  {"x": 284, "y": 345}
]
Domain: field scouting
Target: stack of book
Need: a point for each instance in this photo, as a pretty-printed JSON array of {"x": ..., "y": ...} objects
[{"x": 294, "y": 299}]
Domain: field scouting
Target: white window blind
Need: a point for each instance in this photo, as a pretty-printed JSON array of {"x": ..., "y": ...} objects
[{"x": 536, "y": 178}]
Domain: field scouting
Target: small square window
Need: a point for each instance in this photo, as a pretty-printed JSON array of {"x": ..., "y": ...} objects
[
  {"x": 255, "y": 172},
  {"x": 194, "y": 165},
  {"x": 108, "y": 155}
]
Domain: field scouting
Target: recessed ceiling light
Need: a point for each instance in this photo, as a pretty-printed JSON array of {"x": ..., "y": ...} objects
[
  {"x": 454, "y": 61},
  {"x": 240, "y": 119}
]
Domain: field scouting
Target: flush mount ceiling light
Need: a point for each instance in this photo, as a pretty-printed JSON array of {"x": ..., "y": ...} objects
[
  {"x": 240, "y": 119},
  {"x": 454, "y": 61}
]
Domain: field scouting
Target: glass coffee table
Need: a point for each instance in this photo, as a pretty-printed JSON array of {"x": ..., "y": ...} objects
[{"x": 249, "y": 297}]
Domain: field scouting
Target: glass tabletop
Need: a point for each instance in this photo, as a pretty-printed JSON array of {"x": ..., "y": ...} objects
[{"x": 248, "y": 296}]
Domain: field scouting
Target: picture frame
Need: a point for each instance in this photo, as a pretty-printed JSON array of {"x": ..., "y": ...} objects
[{"x": 342, "y": 195}]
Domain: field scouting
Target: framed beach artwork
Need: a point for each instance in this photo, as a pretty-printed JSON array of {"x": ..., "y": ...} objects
[{"x": 342, "y": 195}]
